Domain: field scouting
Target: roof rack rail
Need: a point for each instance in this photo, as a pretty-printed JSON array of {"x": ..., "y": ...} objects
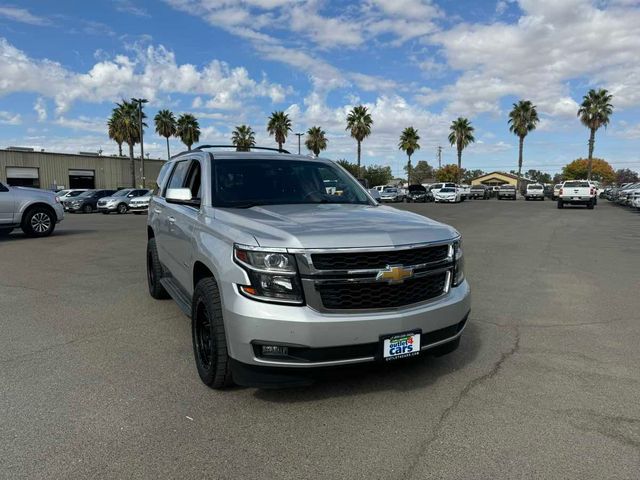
[{"x": 200, "y": 147}]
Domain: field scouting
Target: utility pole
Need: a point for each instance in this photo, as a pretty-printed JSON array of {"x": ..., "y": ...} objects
[
  {"x": 299, "y": 136},
  {"x": 140, "y": 101},
  {"x": 439, "y": 149}
]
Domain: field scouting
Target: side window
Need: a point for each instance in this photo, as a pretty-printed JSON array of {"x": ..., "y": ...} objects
[
  {"x": 193, "y": 181},
  {"x": 179, "y": 175},
  {"x": 162, "y": 176}
]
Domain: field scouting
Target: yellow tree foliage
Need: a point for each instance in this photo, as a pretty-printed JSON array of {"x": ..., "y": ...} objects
[
  {"x": 578, "y": 170},
  {"x": 449, "y": 173}
]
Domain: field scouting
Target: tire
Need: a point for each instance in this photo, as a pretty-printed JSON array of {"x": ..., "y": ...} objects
[
  {"x": 154, "y": 272},
  {"x": 560, "y": 204},
  {"x": 122, "y": 208},
  {"x": 87, "y": 209},
  {"x": 590, "y": 205},
  {"x": 4, "y": 232},
  {"x": 209, "y": 340},
  {"x": 446, "y": 348},
  {"x": 39, "y": 222}
]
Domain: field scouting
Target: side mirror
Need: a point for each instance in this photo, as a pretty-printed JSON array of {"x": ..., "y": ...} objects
[{"x": 181, "y": 196}]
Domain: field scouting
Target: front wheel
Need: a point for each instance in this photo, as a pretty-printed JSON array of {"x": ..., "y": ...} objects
[
  {"x": 122, "y": 208},
  {"x": 39, "y": 222},
  {"x": 209, "y": 340},
  {"x": 87, "y": 209},
  {"x": 154, "y": 272}
]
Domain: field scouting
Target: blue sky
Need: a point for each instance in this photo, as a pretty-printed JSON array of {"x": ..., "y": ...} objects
[{"x": 412, "y": 62}]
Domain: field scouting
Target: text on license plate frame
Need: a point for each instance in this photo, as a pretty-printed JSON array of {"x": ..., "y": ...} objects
[{"x": 400, "y": 345}]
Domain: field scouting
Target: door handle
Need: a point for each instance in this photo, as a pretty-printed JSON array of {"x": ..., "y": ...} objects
[
  {"x": 157, "y": 210},
  {"x": 172, "y": 219}
]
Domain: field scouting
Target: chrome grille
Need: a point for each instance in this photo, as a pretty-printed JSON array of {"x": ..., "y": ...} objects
[{"x": 367, "y": 260}]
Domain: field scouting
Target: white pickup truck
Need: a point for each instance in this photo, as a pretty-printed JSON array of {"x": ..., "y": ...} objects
[{"x": 577, "y": 192}]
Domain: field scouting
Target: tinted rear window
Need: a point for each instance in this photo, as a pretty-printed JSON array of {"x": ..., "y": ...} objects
[
  {"x": 576, "y": 184},
  {"x": 535, "y": 187}
]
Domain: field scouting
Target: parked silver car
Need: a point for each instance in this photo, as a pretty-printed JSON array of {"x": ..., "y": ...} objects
[
  {"x": 119, "y": 201},
  {"x": 282, "y": 276},
  {"x": 140, "y": 205},
  {"x": 35, "y": 211}
]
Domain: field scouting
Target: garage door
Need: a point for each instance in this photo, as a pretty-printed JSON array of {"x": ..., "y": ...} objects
[
  {"x": 82, "y": 179},
  {"x": 23, "y": 177}
]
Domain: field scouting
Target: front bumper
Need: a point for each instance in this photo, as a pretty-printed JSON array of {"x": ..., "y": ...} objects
[
  {"x": 59, "y": 209},
  {"x": 108, "y": 207},
  {"x": 249, "y": 322}
]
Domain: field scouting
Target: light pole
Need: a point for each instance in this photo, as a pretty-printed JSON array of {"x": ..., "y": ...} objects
[
  {"x": 140, "y": 101},
  {"x": 299, "y": 136}
]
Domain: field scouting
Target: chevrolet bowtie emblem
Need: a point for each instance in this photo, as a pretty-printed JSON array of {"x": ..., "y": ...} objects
[{"x": 394, "y": 274}]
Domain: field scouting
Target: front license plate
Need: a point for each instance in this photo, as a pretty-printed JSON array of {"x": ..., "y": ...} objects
[{"x": 401, "y": 345}]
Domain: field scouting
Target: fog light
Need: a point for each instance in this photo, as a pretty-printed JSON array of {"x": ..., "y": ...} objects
[{"x": 275, "y": 351}]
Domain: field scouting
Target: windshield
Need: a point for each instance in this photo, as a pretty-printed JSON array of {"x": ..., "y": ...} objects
[
  {"x": 87, "y": 194},
  {"x": 417, "y": 189},
  {"x": 74, "y": 194},
  {"x": 260, "y": 181},
  {"x": 122, "y": 193},
  {"x": 507, "y": 187},
  {"x": 390, "y": 190},
  {"x": 447, "y": 190}
]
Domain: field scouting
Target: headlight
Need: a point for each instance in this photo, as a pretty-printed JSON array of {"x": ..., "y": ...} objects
[
  {"x": 458, "y": 263},
  {"x": 273, "y": 275}
]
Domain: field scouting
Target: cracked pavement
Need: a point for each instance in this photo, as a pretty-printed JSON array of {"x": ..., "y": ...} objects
[{"x": 98, "y": 379}]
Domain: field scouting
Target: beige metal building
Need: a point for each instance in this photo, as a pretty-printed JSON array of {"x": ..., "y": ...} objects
[{"x": 49, "y": 170}]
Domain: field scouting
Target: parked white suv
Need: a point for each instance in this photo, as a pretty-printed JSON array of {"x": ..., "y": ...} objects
[
  {"x": 35, "y": 211},
  {"x": 282, "y": 276},
  {"x": 534, "y": 191}
]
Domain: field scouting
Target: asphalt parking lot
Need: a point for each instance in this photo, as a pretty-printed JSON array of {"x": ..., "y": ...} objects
[{"x": 98, "y": 379}]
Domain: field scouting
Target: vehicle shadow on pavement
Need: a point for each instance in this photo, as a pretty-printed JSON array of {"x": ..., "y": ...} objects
[
  {"x": 406, "y": 375},
  {"x": 19, "y": 235}
]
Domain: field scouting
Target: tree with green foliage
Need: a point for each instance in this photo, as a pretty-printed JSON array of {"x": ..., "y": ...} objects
[
  {"x": 316, "y": 140},
  {"x": 460, "y": 136},
  {"x": 243, "y": 138},
  {"x": 421, "y": 172},
  {"x": 352, "y": 168},
  {"x": 468, "y": 175},
  {"x": 523, "y": 118},
  {"x": 378, "y": 175},
  {"x": 538, "y": 176},
  {"x": 114, "y": 131},
  {"x": 579, "y": 169},
  {"x": 188, "y": 130},
  {"x": 449, "y": 173},
  {"x": 595, "y": 112},
  {"x": 409, "y": 143},
  {"x": 166, "y": 126},
  {"x": 126, "y": 121},
  {"x": 625, "y": 175},
  {"x": 359, "y": 123},
  {"x": 279, "y": 126}
]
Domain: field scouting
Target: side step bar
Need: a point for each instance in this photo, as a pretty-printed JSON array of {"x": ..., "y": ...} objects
[{"x": 177, "y": 294}]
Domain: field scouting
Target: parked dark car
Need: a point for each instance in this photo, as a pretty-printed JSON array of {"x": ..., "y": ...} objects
[
  {"x": 418, "y": 193},
  {"x": 479, "y": 191},
  {"x": 87, "y": 202}
]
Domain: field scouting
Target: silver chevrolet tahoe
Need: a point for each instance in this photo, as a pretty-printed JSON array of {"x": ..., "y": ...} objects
[
  {"x": 283, "y": 277},
  {"x": 35, "y": 211}
]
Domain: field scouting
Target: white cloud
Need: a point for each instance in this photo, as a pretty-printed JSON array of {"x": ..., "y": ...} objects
[
  {"x": 41, "y": 109},
  {"x": 128, "y": 6},
  {"x": 8, "y": 118},
  {"x": 151, "y": 72},
  {"x": 83, "y": 123},
  {"x": 552, "y": 44},
  {"x": 22, "y": 15}
]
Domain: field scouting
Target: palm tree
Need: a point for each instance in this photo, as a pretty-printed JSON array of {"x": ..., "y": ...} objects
[
  {"x": 523, "y": 119},
  {"x": 359, "y": 122},
  {"x": 243, "y": 137},
  {"x": 461, "y": 135},
  {"x": 279, "y": 126},
  {"x": 126, "y": 122},
  {"x": 594, "y": 112},
  {"x": 114, "y": 133},
  {"x": 165, "y": 126},
  {"x": 409, "y": 144},
  {"x": 316, "y": 140},
  {"x": 188, "y": 129}
]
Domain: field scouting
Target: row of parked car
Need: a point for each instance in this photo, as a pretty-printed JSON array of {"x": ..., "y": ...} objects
[
  {"x": 627, "y": 194},
  {"x": 135, "y": 200},
  {"x": 448, "y": 192}
]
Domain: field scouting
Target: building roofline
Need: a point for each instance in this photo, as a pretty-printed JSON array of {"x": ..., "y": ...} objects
[{"x": 47, "y": 152}]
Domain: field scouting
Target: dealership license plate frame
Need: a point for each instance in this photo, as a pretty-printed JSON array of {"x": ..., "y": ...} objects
[{"x": 389, "y": 358}]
